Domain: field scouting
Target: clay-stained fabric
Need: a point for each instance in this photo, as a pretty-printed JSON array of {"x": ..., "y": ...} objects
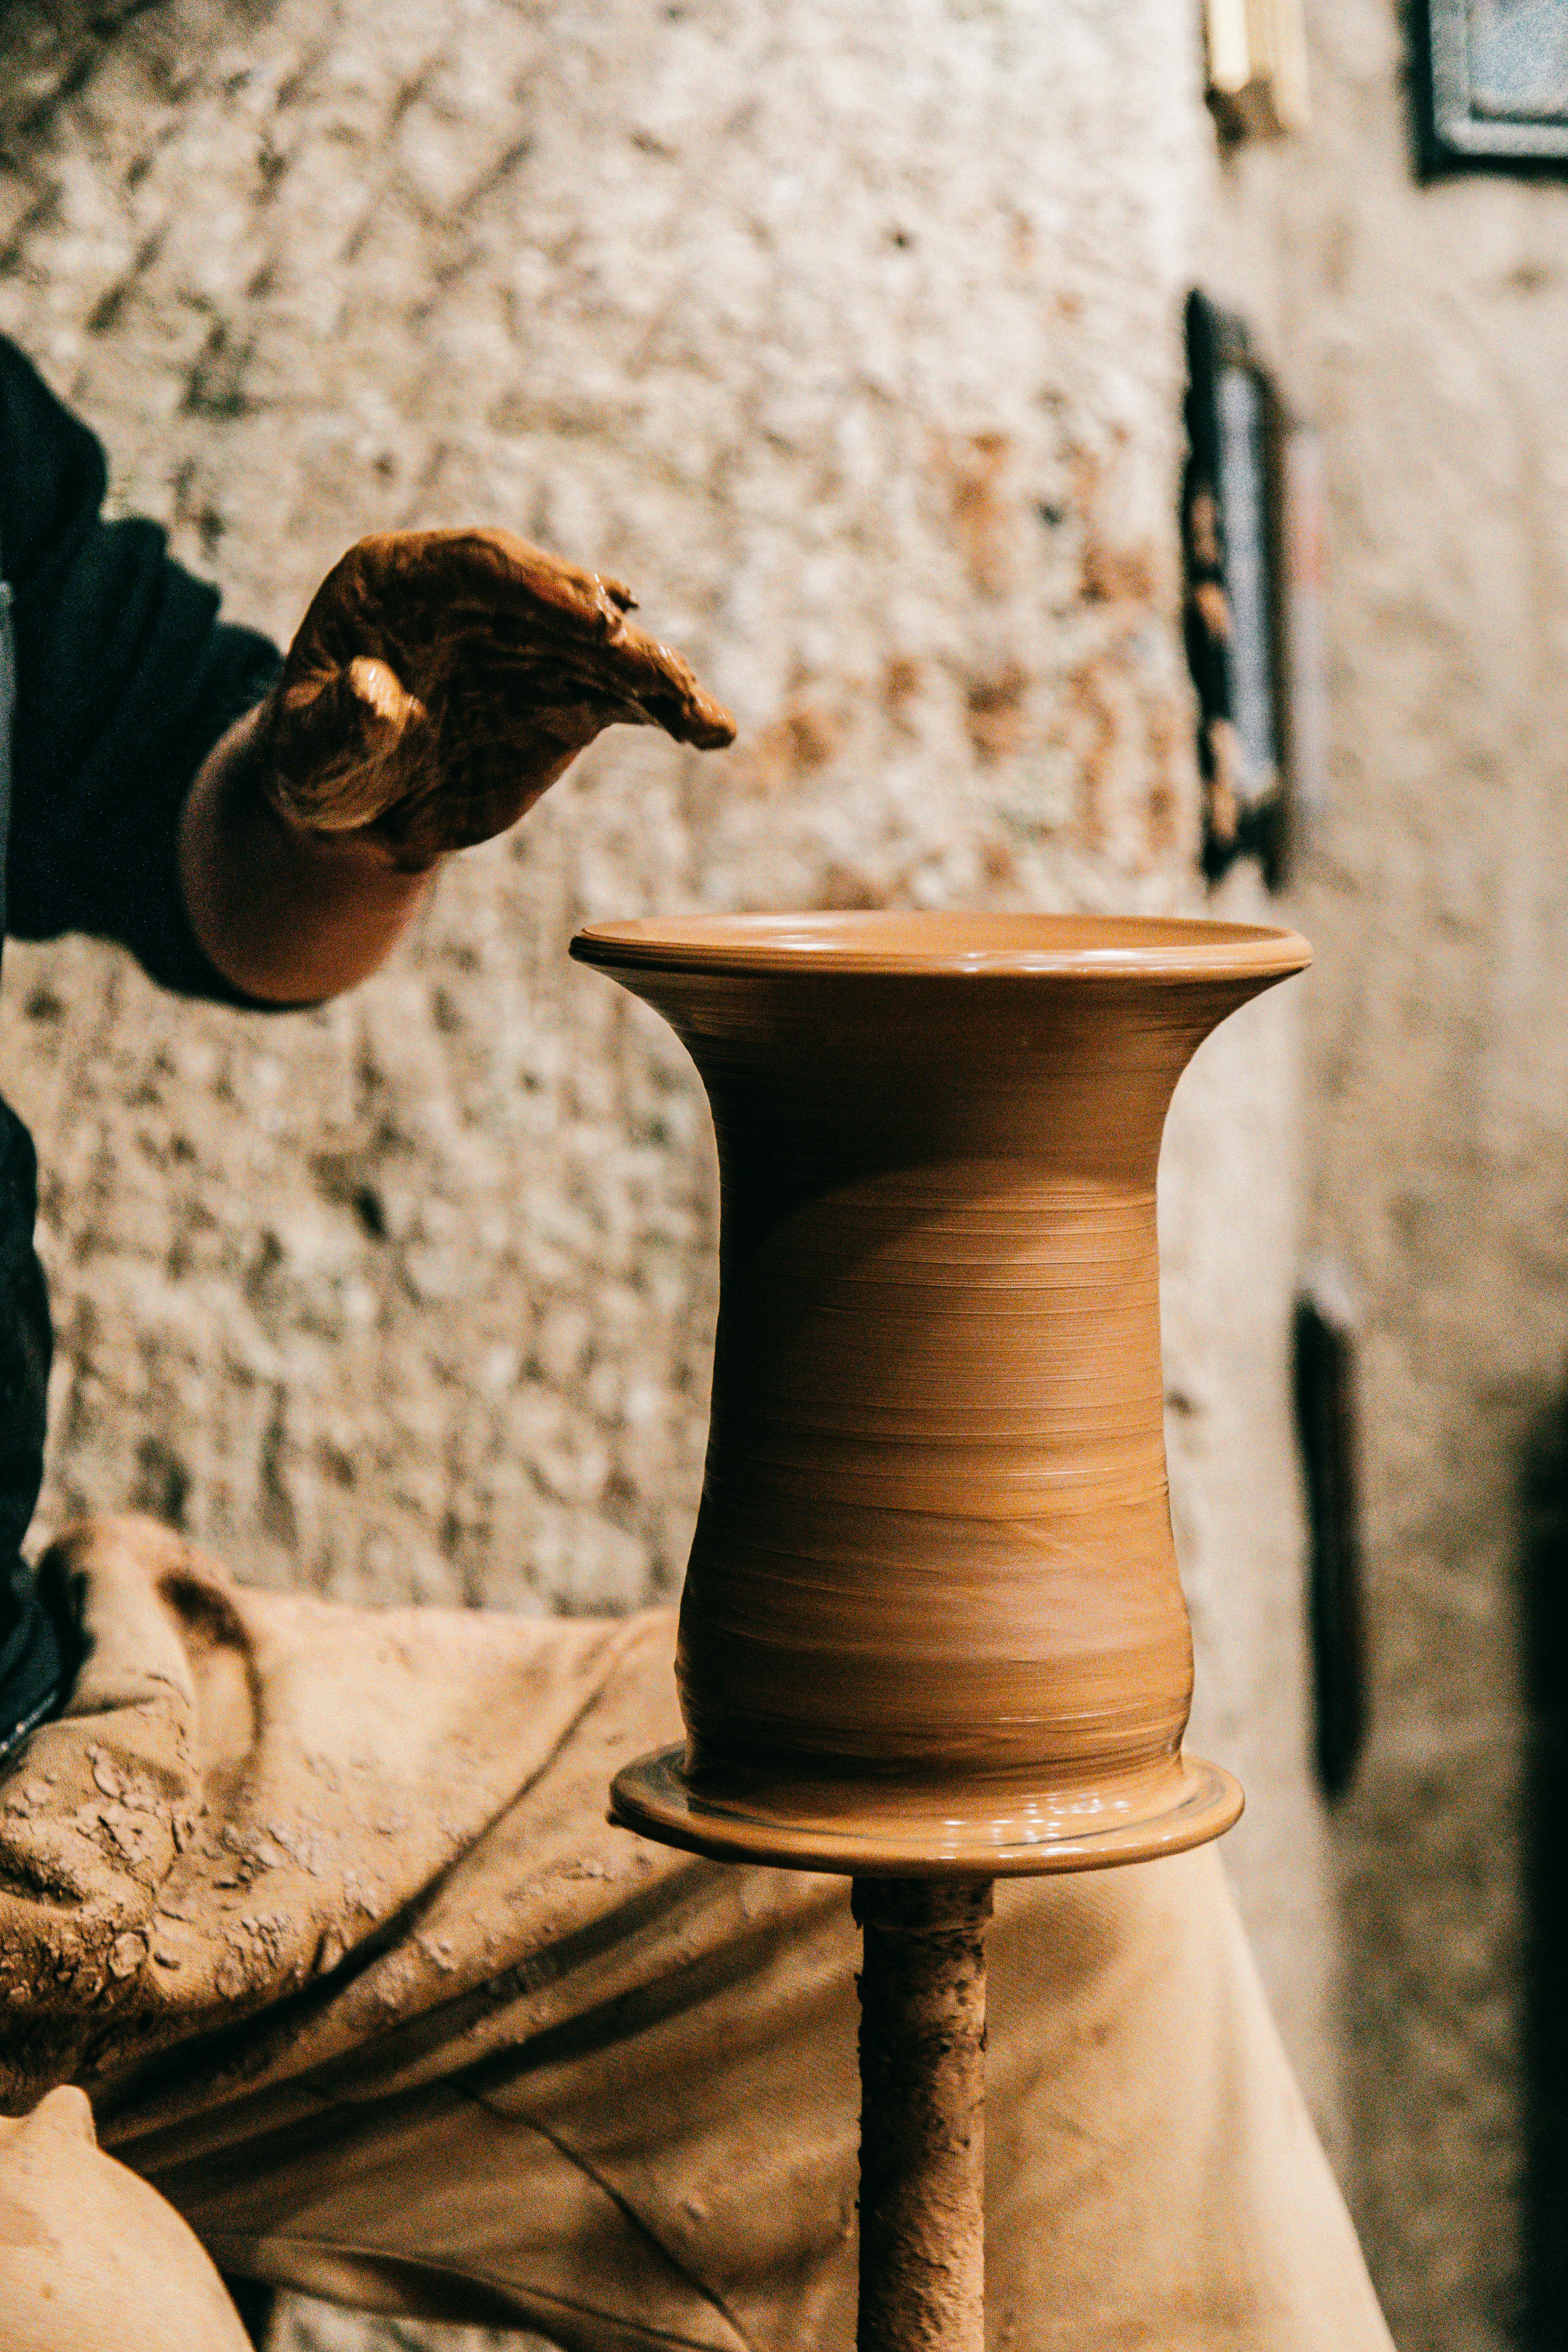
[{"x": 323, "y": 1910}]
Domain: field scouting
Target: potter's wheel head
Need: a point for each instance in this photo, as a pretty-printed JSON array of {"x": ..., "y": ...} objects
[{"x": 979, "y": 1831}]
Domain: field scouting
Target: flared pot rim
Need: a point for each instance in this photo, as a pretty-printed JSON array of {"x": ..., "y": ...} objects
[{"x": 947, "y": 945}]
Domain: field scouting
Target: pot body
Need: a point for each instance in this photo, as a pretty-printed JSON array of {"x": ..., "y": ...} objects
[{"x": 932, "y": 1608}]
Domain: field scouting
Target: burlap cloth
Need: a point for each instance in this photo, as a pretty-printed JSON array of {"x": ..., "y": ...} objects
[{"x": 320, "y": 1909}]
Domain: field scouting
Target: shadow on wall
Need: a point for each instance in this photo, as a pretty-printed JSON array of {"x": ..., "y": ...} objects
[{"x": 1543, "y": 1628}]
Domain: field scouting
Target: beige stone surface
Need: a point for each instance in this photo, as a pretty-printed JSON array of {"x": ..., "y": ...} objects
[
  {"x": 1426, "y": 331},
  {"x": 885, "y": 421},
  {"x": 852, "y": 337},
  {"x": 1230, "y": 1213}
]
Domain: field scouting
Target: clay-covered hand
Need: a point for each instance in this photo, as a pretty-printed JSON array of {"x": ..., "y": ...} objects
[{"x": 442, "y": 681}]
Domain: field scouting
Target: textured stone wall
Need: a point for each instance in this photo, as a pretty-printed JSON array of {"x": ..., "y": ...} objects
[
  {"x": 804, "y": 325},
  {"x": 852, "y": 336},
  {"x": 1427, "y": 332}
]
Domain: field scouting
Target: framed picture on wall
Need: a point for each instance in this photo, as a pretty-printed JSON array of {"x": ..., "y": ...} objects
[
  {"x": 1255, "y": 54},
  {"x": 1254, "y": 536},
  {"x": 1491, "y": 83},
  {"x": 1230, "y": 528}
]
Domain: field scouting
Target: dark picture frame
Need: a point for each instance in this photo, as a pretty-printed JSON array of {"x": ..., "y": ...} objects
[
  {"x": 1254, "y": 549},
  {"x": 1232, "y": 538},
  {"x": 1327, "y": 1427},
  {"x": 1490, "y": 81}
]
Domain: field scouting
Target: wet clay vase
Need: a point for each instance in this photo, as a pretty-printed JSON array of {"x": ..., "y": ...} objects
[{"x": 932, "y": 1622}]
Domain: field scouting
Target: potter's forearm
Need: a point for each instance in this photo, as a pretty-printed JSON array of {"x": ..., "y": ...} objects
[{"x": 287, "y": 914}]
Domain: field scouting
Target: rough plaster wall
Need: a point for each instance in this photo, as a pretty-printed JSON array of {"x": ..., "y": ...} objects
[
  {"x": 1427, "y": 329},
  {"x": 853, "y": 337},
  {"x": 1229, "y": 1229},
  {"x": 882, "y": 412}
]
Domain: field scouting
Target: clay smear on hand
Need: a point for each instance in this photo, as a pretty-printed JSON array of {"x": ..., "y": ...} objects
[{"x": 442, "y": 681}]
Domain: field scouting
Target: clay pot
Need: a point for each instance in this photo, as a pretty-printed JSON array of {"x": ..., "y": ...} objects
[{"x": 932, "y": 1619}]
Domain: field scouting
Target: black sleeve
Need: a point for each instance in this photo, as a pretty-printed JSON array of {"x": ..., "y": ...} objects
[{"x": 125, "y": 679}]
